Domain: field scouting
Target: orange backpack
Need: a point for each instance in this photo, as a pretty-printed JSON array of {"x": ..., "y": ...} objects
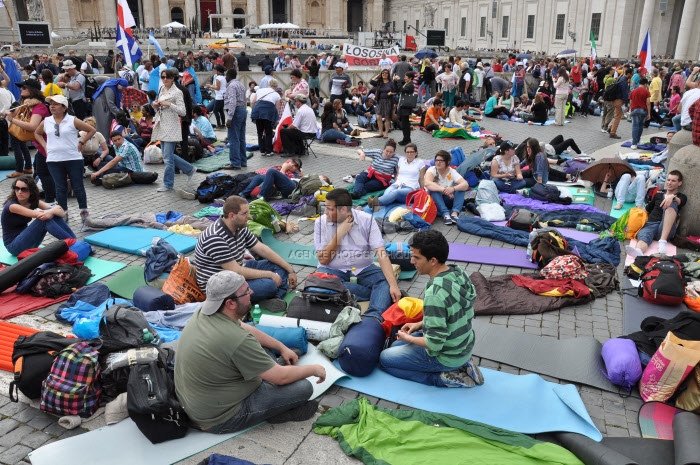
[{"x": 423, "y": 205}]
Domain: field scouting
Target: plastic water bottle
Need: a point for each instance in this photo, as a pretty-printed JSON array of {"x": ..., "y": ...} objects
[
  {"x": 275, "y": 223},
  {"x": 147, "y": 336},
  {"x": 257, "y": 313},
  {"x": 585, "y": 227},
  {"x": 610, "y": 192},
  {"x": 529, "y": 251},
  {"x": 353, "y": 278}
]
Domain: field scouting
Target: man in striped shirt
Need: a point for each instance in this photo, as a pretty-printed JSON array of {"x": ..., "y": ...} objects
[
  {"x": 437, "y": 351},
  {"x": 222, "y": 246}
]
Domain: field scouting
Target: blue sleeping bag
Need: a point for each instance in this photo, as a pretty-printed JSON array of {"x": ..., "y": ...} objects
[
  {"x": 150, "y": 299},
  {"x": 358, "y": 354}
]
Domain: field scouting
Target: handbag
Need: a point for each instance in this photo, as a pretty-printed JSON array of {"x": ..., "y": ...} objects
[
  {"x": 24, "y": 113},
  {"x": 408, "y": 101}
]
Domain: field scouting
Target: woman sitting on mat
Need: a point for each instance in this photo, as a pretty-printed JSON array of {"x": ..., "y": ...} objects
[
  {"x": 379, "y": 174},
  {"x": 539, "y": 110},
  {"x": 505, "y": 169},
  {"x": 23, "y": 204},
  {"x": 409, "y": 177},
  {"x": 493, "y": 109}
]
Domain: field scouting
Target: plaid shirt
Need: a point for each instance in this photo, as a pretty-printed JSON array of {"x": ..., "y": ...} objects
[
  {"x": 234, "y": 97},
  {"x": 131, "y": 158}
]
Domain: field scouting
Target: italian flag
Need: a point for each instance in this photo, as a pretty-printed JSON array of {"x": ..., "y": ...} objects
[{"x": 594, "y": 54}]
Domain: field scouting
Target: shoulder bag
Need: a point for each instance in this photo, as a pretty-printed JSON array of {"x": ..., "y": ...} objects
[
  {"x": 24, "y": 113},
  {"x": 408, "y": 101}
]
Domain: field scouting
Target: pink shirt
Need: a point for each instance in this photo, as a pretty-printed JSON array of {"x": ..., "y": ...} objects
[{"x": 673, "y": 103}]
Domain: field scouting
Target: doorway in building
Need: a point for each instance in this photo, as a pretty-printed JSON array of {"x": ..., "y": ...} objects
[
  {"x": 239, "y": 23},
  {"x": 176, "y": 14},
  {"x": 354, "y": 15},
  {"x": 136, "y": 12},
  {"x": 280, "y": 11}
]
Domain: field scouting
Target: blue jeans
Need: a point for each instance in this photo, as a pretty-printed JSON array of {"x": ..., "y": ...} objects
[
  {"x": 173, "y": 161},
  {"x": 652, "y": 230},
  {"x": 412, "y": 362},
  {"x": 331, "y": 135},
  {"x": 364, "y": 184},
  {"x": 639, "y": 115},
  {"x": 394, "y": 194},
  {"x": 423, "y": 87},
  {"x": 236, "y": 138},
  {"x": 255, "y": 182},
  {"x": 274, "y": 178},
  {"x": 444, "y": 203},
  {"x": 508, "y": 188},
  {"x": 267, "y": 401},
  {"x": 72, "y": 169},
  {"x": 34, "y": 234},
  {"x": 631, "y": 191},
  {"x": 363, "y": 121},
  {"x": 371, "y": 285},
  {"x": 23, "y": 161},
  {"x": 265, "y": 288},
  {"x": 677, "y": 122}
]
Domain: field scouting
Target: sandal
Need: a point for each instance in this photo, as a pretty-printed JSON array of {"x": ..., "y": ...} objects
[{"x": 15, "y": 174}]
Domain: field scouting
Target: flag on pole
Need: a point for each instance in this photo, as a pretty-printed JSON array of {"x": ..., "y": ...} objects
[
  {"x": 645, "y": 53},
  {"x": 594, "y": 52},
  {"x": 152, "y": 39},
  {"x": 125, "y": 39}
]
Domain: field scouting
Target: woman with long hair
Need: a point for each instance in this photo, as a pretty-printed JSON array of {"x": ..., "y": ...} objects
[
  {"x": 539, "y": 110},
  {"x": 19, "y": 232},
  {"x": 95, "y": 150},
  {"x": 63, "y": 151},
  {"x": 144, "y": 127},
  {"x": 385, "y": 101},
  {"x": 32, "y": 97},
  {"x": 169, "y": 107},
  {"x": 314, "y": 82},
  {"x": 507, "y": 101},
  {"x": 561, "y": 96},
  {"x": 409, "y": 177},
  {"x": 449, "y": 81},
  {"x": 219, "y": 87},
  {"x": 192, "y": 87},
  {"x": 335, "y": 126}
]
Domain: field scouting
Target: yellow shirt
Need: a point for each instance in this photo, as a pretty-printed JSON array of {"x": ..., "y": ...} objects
[
  {"x": 52, "y": 89},
  {"x": 655, "y": 89},
  {"x": 136, "y": 115}
]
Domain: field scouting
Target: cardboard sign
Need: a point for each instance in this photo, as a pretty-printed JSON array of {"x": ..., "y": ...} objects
[{"x": 357, "y": 55}]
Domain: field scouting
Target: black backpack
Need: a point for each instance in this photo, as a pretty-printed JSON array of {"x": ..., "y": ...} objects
[
  {"x": 116, "y": 368},
  {"x": 323, "y": 298},
  {"x": 122, "y": 327},
  {"x": 152, "y": 403},
  {"x": 548, "y": 193},
  {"x": 91, "y": 86},
  {"x": 523, "y": 220},
  {"x": 32, "y": 358},
  {"x": 217, "y": 185},
  {"x": 612, "y": 92},
  {"x": 61, "y": 279}
]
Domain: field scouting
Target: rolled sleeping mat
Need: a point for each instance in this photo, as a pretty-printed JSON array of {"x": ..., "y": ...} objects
[
  {"x": 646, "y": 451},
  {"x": 591, "y": 452},
  {"x": 294, "y": 338},
  {"x": 20, "y": 270},
  {"x": 7, "y": 163},
  {"x": 686, "y": 431}
]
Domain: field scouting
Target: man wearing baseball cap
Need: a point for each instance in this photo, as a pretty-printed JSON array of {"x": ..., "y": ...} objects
[
  {"x": 225, "y": 377},
  {"x": 338, "y": 82},
  {"x": 303, "y": 127},
  {"x": 76, "y": 89}
]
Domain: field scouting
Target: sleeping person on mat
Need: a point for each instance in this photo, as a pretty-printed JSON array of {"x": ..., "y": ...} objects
[
  {"x": 19, "y": 232},
  {"x": 437, "y": 351}
]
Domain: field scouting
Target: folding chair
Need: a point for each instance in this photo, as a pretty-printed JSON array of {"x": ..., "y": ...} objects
[{"x": 308, "y": 141}]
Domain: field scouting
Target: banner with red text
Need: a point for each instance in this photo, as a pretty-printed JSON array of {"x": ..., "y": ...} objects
[{"x": 356, "y": 55}]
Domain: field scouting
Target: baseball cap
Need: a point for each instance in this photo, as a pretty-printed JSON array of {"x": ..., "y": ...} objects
[
  {"x": 220, "y": 286},
  {"x": 33, "y": 83},
  {"x": 267, "y": 68},
  {"x": 339, "y": 65},
  {"x": 507, "y": 145},
  {"x": 550, "y": 150},
  {"x": 300, "y": 97},
  {"x": 59, "y": 98},
  {"x": 68, "y": 64}
]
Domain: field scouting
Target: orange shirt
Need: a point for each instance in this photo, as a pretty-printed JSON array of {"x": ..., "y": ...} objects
[{"x": 435, "y": 113}]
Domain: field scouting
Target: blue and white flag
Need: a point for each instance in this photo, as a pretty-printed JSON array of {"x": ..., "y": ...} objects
[
  {"x": 154, "y": 42},
  {"x": 125, "y": 39}
]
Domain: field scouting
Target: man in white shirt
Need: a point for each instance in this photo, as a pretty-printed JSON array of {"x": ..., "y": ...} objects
[
  {"x": 385, "y": 63},
  {"x": 303, "y": 127},
  {"x": 682, "y": 120}
]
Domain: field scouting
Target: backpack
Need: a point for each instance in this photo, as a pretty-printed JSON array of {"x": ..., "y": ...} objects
[
  {"x": 569, "y": 266},
  {"x": 663, "y": 282},
  {"x": 91, "y": 86},
  {"x": 323, "y": 298},
  {"x": 262, "y": 213},
  {"x": 144, "y": 177},
  {"x": 523, "y": 220},
  {"x": 612, "y": 92},
  {"x": 152, "y": 403},
  {"x": 593, "y": 87},
  {"x": 651, "y": 193},
  {"x": 215, "y": 186},
  {"x": 635, "y": 221},
  {"x": 545, "y": 192},
  {"x": 115, "y": 180},
  {"x": 635, "y": 269},
  {"x": 73, "y": 386},
  {"x": 546, "y": 245},
  {"x": 122, "y": 327},
  {"x": 423, "y": 205},
  {"x": 487, "y": 193},
  {"x": 32, "y": 357},
  {"x": 307, "y": 185},
  {"x": 61, "y": 279}
]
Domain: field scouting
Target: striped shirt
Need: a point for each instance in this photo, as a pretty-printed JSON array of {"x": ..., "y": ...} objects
[
  {"x": 218, "y": 245},
  {"x": 448, "y": 310},
  {"x": 383, "y": 165}
]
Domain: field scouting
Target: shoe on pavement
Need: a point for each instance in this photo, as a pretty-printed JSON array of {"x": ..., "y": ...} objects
[
  {"x": 455, "y": 217},
  {"x": 614, "y": 136},
  {"x": 84, "y": 213},
  {"x": 447, "y": 219},
  {"x": 604, "y": 131},
  {"x": 633, "y": 147},
  {"x": 164, "y": 189},
  {"x": 15, "y": 174},
  {"x": 185, "y": 194}
]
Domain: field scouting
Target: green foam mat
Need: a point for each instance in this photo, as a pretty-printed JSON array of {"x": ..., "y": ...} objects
[
  {"x": 362, "y": 201},
  {"x": 618, "y": 213},
  {"x": 409, "y": 274},
  {"x": 581, "y": 195},
  {"x": 213, "y": 163},
  {"x": 292, "y": 253},
  {"x": 102, "y": 268},
  {"x": 125, "y": 283}
]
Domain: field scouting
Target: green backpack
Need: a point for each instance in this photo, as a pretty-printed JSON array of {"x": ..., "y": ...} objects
[
  {"x": 261, "y": 215},
  {"x": 307, "y": 185}
]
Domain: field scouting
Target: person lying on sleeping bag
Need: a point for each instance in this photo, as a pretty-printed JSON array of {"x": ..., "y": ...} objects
[
  {"x": 19, "y": 232},
  {"x": 437, "y": 351}
]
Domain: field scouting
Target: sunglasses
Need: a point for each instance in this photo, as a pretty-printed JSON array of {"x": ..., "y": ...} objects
[
  {"x": 57, "y": 133},
  {"x": 21, "y": 189},
  {"x": 163, "y": 76}
]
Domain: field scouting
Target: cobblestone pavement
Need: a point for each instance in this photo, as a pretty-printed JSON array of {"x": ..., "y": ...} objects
[{"x": 24, "y": 428}]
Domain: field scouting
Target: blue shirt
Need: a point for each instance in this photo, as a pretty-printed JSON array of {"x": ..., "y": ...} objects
[
  {"x": 541, "y": 168},
  {"x": 490, "y": 104},
  {"x": 205, "y": 127}
]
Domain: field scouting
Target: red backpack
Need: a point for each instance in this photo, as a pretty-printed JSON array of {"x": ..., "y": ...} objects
[
  {"x": 662, "y": 282},
  {"x": 423, "y": 205}
]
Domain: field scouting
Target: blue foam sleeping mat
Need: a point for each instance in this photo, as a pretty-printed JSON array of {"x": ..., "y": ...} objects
[
  {"x": 134, "y": 240},
  {"x": 524, "y": 403}
]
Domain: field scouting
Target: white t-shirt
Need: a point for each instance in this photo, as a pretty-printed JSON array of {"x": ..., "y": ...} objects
[
  {"x": 686, "y": 102},
  {"x": 409, "y": 173},
  {"x": 63, "y": 147},
  {"x": 219, "y": 94},
  {"x": 385, "y": 63},
  {"x": 452, "y": 178},
  {"x": 144, "y": 78}
]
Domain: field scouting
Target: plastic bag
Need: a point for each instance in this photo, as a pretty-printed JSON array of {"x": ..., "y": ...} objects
[
  {"x": 182, "y": 283},
  {"x": 673, "y": 361},
  {"x": 87, "y": 328}
]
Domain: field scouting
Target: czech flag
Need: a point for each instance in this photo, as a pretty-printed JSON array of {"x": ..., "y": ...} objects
[
  {"x": 645, "y": 54},
  {"x": 125, "y": 39}
]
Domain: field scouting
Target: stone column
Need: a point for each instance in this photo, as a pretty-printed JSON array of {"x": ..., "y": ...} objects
[
  {"x": 252, "y": 12},
  {"x": 164, "y": 14},
  {"x": 681, "y": 139},
  {"x": 226, "y": 23},
  {"x": 687, "y": 161},
  {"x": 191, "y": 11},
  {"x": 687, "y": 30},
  {"x": 263, "y": 12},
  {"x": 149, "y": 17},
  {"x": 302, "y": 19},
  {"x": 647, "y": 18}
]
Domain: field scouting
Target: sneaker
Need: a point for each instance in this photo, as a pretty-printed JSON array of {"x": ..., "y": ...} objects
[
  {"x": 347, "y": 144},
  {"x": 662, "y": 247},
  {"x": 465, "y": 376},
  {"x": 575, "y": 176},
  {"x": 266, "y": 154},
  {"x": 184, "y": 194},
  {"x": 604, "y": 131},
  {"x": 455, "y": 217},
  {"x": 303, "y": 412},
  {"x": 447, "y": 219},
  {"x": 189, "y": 176},
  {"x": 633, "y": 147},
  {"x": 273, "y": 305},
  {"x": 614, "y": 136},
  {"x": 164, "y": 189},
  {"x": 522, "y": 192}
]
